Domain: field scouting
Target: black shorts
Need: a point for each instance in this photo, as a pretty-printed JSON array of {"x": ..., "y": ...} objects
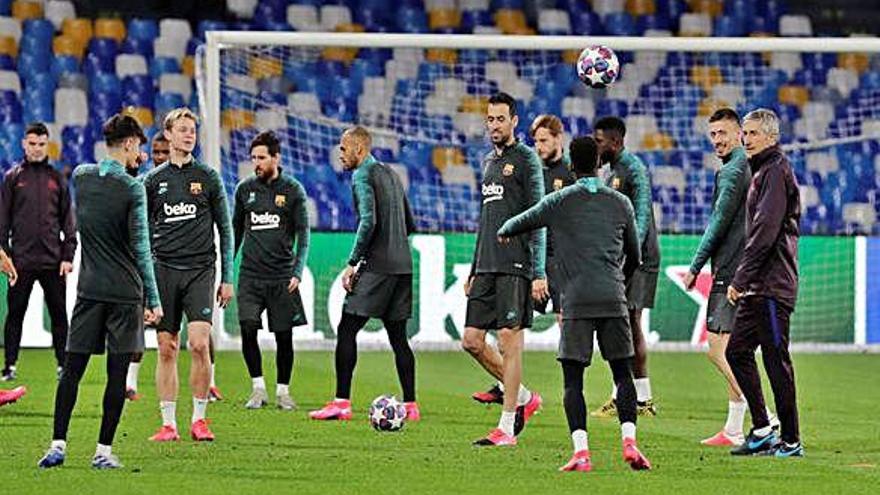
[
  {"x": 98, "y": 325},
  {"x": 554, "y": 303},
  {"x": 613, "y": 334},
  {"x": 285, "y": 310},
  {"x": 641, "y": 289},
  {"x": 184, "y": 292},
  {"x": 720, "y": 314},
  {"x": 499, "y": 300},
  {"x": 381, "y": 295}
]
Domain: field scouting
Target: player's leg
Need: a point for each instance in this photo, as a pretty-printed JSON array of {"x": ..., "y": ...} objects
[
  {"x": 114, "y": 401},
  {"x": 55, "y": 293},
  {"x": 640, "y": 365},
  {"x": 510, "y": 343},
  {"x": 405, "y": 362},
  {"x": 213, "y": 391},
  {"x": 732, "y": 433},
  {"x": 131, "y": 378},
  {"x": 576, "y": 414},
  {"x": 345, "y": 360},
  {"x": 285, "y": 312},
  {"x": 17, "y": 297},
  {"x": 284, "y": 368},
  {"x": 66, "y": 393},
  {"x": 479, "y": 317},
  {"x": 167, "y": 383},
  {"x": 621, "y": 370},
  {"x": 250, "y": 350},
  {"x": 199, "y": 334}
]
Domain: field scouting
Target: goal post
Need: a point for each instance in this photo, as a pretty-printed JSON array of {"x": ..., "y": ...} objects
[{"x": 421, "y": 97}]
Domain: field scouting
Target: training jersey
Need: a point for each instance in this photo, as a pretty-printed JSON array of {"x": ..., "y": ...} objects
[
  {"x": 629, "y": 175},
  {"x": 557, "y": 174}
]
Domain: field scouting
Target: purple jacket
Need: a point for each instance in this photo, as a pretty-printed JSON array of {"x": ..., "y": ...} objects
[
  {"x": 35, "y": 210},
  {"x": 769, "y": 263}
]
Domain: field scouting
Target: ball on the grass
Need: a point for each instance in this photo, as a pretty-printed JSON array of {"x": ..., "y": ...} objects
[
  {"x": 598, "y": 67},
  {"x": 387, "y": 413}
]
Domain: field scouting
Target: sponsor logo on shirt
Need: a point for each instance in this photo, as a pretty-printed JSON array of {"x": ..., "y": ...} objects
[
  {"x": 195, "y": 188},
  {"x": 492, "y": 192},
  {"x": 252, "y": 196},
  {"x": 163, "y": 187},
  {"x": 179, "y": 212},
  {"x": 280, "y": 200},
  {"x": 507, "y": 171},
  {"x": 264, "y": 221}
]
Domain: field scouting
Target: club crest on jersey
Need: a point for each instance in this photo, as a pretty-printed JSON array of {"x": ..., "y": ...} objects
[
  {"x": 252, "y": 196},
  {"x": 507, "y": 170},
  {"x": 557, "y": 184},
  {"x": 280, "y": 200},
  {"x": 195, "y": 188},
  {"x": 615, "y": 183}
]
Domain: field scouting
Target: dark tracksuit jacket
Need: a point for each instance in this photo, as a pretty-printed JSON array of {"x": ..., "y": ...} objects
[{"x": 629, "y": 175}]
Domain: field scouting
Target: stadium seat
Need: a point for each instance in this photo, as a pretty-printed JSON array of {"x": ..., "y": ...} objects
[
  {"x": 103, "y": 83},
  {"x": 730, "y": 26},
  {"x": 59, "y": 10},
  {"x": 470, "y": 125},
  {"x": 823, "y": 163},
  {"x": 712, "y": 8},
  {"x": 170, "y": 47},
  {"x": 692, "y": 24},
  {"x": 639, "y": 128},
  {"x": 511, "y": 21},
  {"x": 788, "y": 62},
  {"x": 64, "y": 64},
  {"x": 620, "y": 24},
  {"x": 860, "y": 215},
  {"x": 143, "y": 29},
  {"x": 411, "y": 20},
  {"x": 243, "y": 9},
  {"x": 303, "y": 17},
  {"x": 130, "y": 65},
  {"x": 80, "y": 29},
  {"x": 554, "y": 22},
  {"x": 705, "y": 77},
  {"x": 163, "y": 65},
  {"x": 271, "y": 119},
  {"x": 10, "y": 27},
  {"x": 262, "y": 67},
  {"x": 27, "y": 9},
  {"x": 6, "y": 60},
  {"x": 306, "y": 104},
  {"x": 237, "y": 119},
  {"x": 206, "y": 25},
  {"x": 40, "y": 30},
  {"x": 334, "y": 15},
  {"x": 842, "y": 80},
  {"x": 668, "y": 176},
  {"x": 64, "y": 45},
  {"x": 110, "y": 28},
  {"x": 143, "y": 115},
  {"x": 641, "y": 7},
  {"x": 795, "y": 25},
  {"x": 8, "y": 49},
  {"x": 71, "y": 107},
  {"x": 605, "y": 7},
  {"x": 444, "y": 20},
  {"x": 794, "y": 95},
  {"x": 9, "y": 81},
  {"x": 135, "y": 46},
  {"x": 175, "y": 28},
  {"x": 445, "y": 156},
  {"x": 578, "y": 107},
  {"x": 858, "y": 62},
  {"x": 472, "y": 5},
  {"x": 105, "y": 49}
]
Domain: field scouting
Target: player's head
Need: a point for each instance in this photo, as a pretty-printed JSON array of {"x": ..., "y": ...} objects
[
  {"x": 760, "y": 130},
  {"x": 584, "y": 154},
  {"x": 609, "y": 134},
  {"x": 501, "y": 118},
  {"x": 725, "y": 131},
  {"x": 160, "y": 148},
  {"x": 36, "y": 142},
  {"x": 266, "y": 155},
  {"x": 180, "y": 130},
  {"x": 354, "y": 146},
  {"x": 124, "y": 138},
  {"x": 547, "y": 132}
]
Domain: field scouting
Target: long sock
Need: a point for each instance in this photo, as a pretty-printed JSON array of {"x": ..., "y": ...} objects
[
  {"x": 258, "y": 382},
  {"x": 59, "y": 445},
  {"x": 643, "y": 389},
  {"x": 250, "y": 349},
  {"x": 114, "y": 396},
  {"x": 579, "y": 440},
  {"x": 213, "y": 372},
  {"x": 200, "y": 408},
  {"x": 614, "y": 391},
  {"x": 169, "y": 413},
  {"x": 573, "y": 395},
  {"x": 284, "y": 356},
  {"x": 736, "y": 412},
  {"x": 524, "y": 396},
  {"x": 506, "y": 422},
  {"x": 621, "y": 370},
  {"x": 404, "y": 359},
  {"x": 628, "y": 430},
  {"x": 67, "y": 391},
  {"x": 104, "y": 450},
  {"x": 346, "y": 352},
  {"x": 131, "y": 381},
  {"x": 282, "y": 389}
]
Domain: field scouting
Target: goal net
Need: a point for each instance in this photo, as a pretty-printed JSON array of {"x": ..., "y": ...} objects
[{"x": 423, "y": 97}]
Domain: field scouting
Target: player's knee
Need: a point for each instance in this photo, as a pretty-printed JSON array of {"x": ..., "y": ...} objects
[
  {"x": 472, "y": 342},
  {"x": 198, "y": 346},
  {"x": 168, "y": 350}
]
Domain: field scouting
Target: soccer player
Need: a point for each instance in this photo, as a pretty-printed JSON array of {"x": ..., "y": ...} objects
[
  {"x": 117, "y": 290},
  {"x": 505, "y": 278},
  {"x": 37, "y": 231},
  {"x": 378, "y": 278},
  {"x": 185, "y": 200},
  {"x": 594, "y": 229},
  {"x": 10, "y": 396},
  {"x": 270, "y": 216},
  {"x": 766, "y": 283},
  {"x": 629, "y": 176}
]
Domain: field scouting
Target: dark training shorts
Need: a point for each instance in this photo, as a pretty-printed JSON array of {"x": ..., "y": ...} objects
[
  {"x": 381, "y": 295},
  {"x": 284, "y": 310},
  {"x": 499, "y": 300},
  {"x": 720, "y": 314},
  {"x": 96, "y": 325},
  {"x": 641, "y": 289},
  {"x": 613, "y": 334},
  {"x": 184, "y": 292}
]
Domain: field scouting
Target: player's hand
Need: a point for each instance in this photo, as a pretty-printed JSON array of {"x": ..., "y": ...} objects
[
  {"x": 540, "y": 292},
  {"x": 224, "y": 295},
  {"x": 153, "y": 316},
  {"x": 8, "y": 267},
  {"x": 733, "y": 295},
  {"x": 503, "y": 240},
  {"x": 467, "y": 285},
  {"x": 690, "y": 281},
  {"x": 292, "y": 285},
  {"x": 348, "y": 278},
  {"x": 66, "y": 267}
]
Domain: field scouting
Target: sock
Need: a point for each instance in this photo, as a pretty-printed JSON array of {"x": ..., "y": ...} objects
[
  {"x": 579, "y": 439},
  {"x": 500, "y": 386},
  {"x": 628, "y": 430},
  {"x": 282, "y": 389},
  {"x": 643, "y": 389},
  {"x": 169, "y": 413},
  {"x": 131, "y": 381},
  {"x": 103, "y": 450},
  {"x": 772, "y": 418},
  {"x": 506, "y": 422},
  {"x": 524, "y": 396},
  {"x": 258, "y": 382},
  {"x": 58, "y": 444},
  {"x": 200, "y": 406},
  {"x": 614, "y": 391},
  {"x": 763, "y": 432},
  {"x": 213, "y": 385},
  {"x": 736, "y": 411}
]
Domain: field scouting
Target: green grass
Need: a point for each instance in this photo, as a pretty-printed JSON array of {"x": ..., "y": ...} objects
[{"x": 269, "y": 449}]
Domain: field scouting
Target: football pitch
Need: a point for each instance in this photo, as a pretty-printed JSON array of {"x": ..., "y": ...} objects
[{"x": 269, "y": 451}]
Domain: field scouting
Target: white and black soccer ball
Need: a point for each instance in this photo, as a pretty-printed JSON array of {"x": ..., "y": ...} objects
[
  {"x": 598, "y": 67},
  {"x": 387, "y": 413}
]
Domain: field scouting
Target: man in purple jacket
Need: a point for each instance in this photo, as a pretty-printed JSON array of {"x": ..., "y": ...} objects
[
  {"x": 765, "y": 284},
  {"x": 37, "y": 231}
]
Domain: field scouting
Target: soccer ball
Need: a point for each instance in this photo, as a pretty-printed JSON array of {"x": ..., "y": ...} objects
[
  {"x": 597, "y": 66},
  {"x": 387, "y": 413}
]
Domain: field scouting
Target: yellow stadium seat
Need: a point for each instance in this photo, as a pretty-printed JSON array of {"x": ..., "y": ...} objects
[
  {"x": 657, "y": 141},
  {"x": 794, "y": 95},
  {"x": 67, "y": 45},
  {"x": 473, "y": 104},
  {"x": 24, "y": 10},
  {"x": 445, "y": 156},
  {"x": 8, "y": 46},
  {"x": 110, "y": 28},
  {"x": 570, "y": 56},
  {"x": 441, "y": 55},
  {"x": 706, "y": 76},
  {"x": 713, "y": 8},
  {"x": 237, "y": 119},
  {"x": 263, "y": 67},
  {"x": 641, "y": 7},
  {"x": 54, "y": 150},
  {"x": 350, "y": 28},
  {"x": 444, "y": 19},
  {"x": 858, "y": 62},
  {"x": 339, "y": 54},
  {"x": 511, "y": 21},
  {"x": 79, "y": 28},
  {"x": 143, "y": 115},
  {"x": 708, "y": 106},
  {"x": 188, "y": 66}
]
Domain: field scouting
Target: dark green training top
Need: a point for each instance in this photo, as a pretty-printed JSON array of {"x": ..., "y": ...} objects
[
  {"x": 269, "y": 218},
  {"x": 595, "y": 229},
  {"x": 724, "y": 237},
  {"x": 183, "y": 204},
  {"x": 513, "y": 181},
  {"x": 630, "y": 177},
  {"x": 557, "y": 174},
  {"x": 111, "y": 217},
  {"x": 384, "y": 220}
]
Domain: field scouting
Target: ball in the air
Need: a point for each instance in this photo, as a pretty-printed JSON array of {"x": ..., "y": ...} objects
[
  {"x": 387, "y": 413},
  {"x": 597, "y": 66}
]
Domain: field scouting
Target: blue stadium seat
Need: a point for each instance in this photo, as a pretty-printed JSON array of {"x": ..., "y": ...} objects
[
  {"x": 5, "y": 7},
  {"x": 653, "y": 21},
  {"x": 268, "y": 10},
  {"x": 143, "y": 29},
  {"x": 103, "y": 48},
  {"x": 209, "y": 25},
  {"x": 164, "y": 65},
  {"x": 473, "y": 18},
  {"x": 870, "y": 80},
  {"x": 730, "y": 26},
  {"x": 743, "y": 9},
  {"x": 373, "y": 19},
  {"x": 138, "y": 91},
  {"x": 64, "y": 64},
  {"x": 78, "y": 145},
  {"x": 39, "y": 29},
  {"x": 137, "y": 46},
  {"x": 30, "y": 65},
  {"x": 106, "y": 84},
  {"x": 94, "y": 64},
  {"x": 7, "y": 62},
  {"x": 412, "y": 20},
  {"x": 34, "y": 46},
  {"x": 165, "y": 102}
]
